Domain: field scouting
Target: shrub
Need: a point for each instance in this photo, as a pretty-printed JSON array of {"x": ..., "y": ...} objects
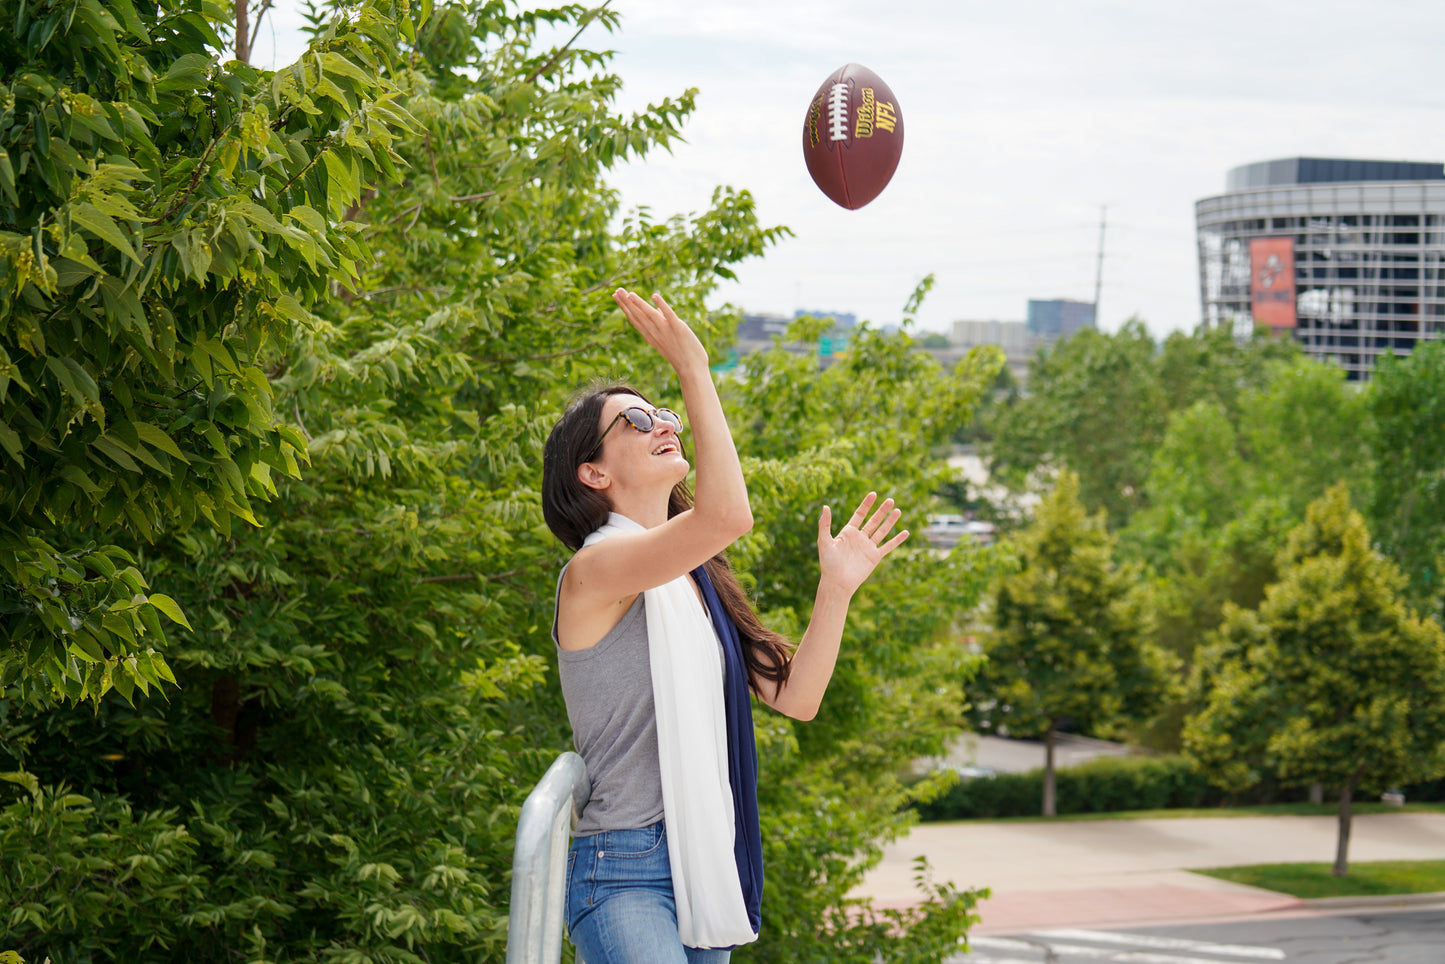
[{"x": 1104, "y": 785}]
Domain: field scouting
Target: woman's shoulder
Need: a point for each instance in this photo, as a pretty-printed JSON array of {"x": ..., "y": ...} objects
[{"x": 583, "y": 620}]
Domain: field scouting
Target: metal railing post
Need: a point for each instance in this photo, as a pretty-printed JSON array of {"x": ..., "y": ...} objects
[{"x": 539, "y": 862}]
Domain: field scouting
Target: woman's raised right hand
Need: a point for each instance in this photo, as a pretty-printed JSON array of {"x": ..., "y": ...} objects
[{"x": 659, "y": 325}]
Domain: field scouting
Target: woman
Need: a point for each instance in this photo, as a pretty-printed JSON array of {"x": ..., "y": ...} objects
[{"x": 658, "y": 650}]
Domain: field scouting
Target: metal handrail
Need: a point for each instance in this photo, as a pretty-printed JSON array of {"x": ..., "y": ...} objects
[{"x": 539, "y": 862}]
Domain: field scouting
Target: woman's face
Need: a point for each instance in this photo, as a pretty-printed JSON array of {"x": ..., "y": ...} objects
[{"x": 638, "y": 458}]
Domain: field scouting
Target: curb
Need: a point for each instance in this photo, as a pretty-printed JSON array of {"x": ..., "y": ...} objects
[{"x": 1375, "y": 901}]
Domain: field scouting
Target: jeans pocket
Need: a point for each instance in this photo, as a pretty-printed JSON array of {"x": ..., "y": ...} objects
[
  {"x": 579, "y": 889},
  {"x": 638, "y": 844}
]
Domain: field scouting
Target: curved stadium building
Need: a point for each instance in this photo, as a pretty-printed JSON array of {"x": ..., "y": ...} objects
[{"x": 1348, "y": 256}]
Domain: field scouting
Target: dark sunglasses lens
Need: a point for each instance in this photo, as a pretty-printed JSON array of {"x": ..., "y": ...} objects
[
  {"x": 671, "y": 418},
  {"x": 638, "y": 419}
]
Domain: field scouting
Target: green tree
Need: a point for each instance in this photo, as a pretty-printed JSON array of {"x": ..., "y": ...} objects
[
  {"x": 1332, "y": 681},
  {"x": 1407, "y": 402},
  {"x": 366, "y": 695},
  {"x": 163, "y": 226},
  {"x": 1068, "y": 640}
]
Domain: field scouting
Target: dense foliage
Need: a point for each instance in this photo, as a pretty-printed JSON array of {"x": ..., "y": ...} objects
[{"x": 365, "y": 693}]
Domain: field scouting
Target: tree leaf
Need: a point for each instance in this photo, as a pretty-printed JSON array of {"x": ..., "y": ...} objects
[
  {"x": 168, "y": 606},
  {"x": 75, "y": 378},
  {"x": 153, "y": 436},
  {"x": 95, "y": 221}
]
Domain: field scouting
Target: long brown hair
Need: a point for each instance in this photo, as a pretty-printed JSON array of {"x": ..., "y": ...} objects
[{"x": 574, "y": 511}]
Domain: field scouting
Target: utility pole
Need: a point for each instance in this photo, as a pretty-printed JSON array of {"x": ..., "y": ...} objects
[{"x": 1099, "y": 270}]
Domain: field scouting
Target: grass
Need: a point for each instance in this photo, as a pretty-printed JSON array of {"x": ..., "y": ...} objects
[{"x": 1364, "y": 879}]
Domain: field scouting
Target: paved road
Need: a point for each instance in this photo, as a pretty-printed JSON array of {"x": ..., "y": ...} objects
[
  {"x": 1133, "y": 872},
  {"x": 1401, "y": 937}
]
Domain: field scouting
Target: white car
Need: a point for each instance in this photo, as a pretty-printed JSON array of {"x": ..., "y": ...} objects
[{"x": 945, "y": 531}]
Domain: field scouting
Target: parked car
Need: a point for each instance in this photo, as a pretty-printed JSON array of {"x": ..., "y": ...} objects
[
  {"x": 969, "y": 771},
  {"x": 945, "y": 531}
]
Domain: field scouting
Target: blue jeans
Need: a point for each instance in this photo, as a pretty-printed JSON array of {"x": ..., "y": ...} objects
[{"x": 620, "y": 907}]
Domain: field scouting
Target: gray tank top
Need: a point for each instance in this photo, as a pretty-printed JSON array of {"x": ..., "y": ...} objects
[{"x": 608, "y": 690}]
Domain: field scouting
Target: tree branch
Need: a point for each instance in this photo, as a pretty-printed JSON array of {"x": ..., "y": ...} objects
[
  {"x": 532, "y": 358},
  {"x": 296, "y": 408},
  {"x": 260, "y": 15},
  {"x": 469, "y": 577},
  {"x": 562, "y": 49},
  {"x": 200, "y": 166}
]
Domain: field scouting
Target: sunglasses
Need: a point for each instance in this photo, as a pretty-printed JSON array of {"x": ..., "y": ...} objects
[{"x": 642, "y": 420}]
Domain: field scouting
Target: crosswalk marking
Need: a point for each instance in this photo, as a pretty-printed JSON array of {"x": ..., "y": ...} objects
[
  {"x": 1167, "y": 943},
  {"x": 1080, "y": 950}
]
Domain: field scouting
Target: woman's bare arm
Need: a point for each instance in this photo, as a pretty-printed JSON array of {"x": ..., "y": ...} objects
[{"x": 845, "y": 561}]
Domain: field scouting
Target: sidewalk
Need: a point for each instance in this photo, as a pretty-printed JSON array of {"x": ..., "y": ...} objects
[{"x": 1119, "y": 872}]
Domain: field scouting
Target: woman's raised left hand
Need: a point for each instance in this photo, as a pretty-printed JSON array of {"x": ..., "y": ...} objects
[{"x": 850, "y": 557}]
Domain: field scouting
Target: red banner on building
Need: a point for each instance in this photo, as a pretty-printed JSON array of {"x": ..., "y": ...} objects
[{"x": 1271, "y": 281}]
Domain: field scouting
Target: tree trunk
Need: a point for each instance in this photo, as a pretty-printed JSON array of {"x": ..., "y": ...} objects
[
  {"x": 1049, "y": 806},
  {"x": 1342, "y": 848},
  {"x": 243, "y": 31}
]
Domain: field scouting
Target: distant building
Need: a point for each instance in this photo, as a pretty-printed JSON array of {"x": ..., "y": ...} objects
[
  {"x": 1059, "y": 317},
  {"x": 1012, "y": 336},
  {"x": 1019, "y": 346},
  {"x": 762, "y": 327},
  {"x": 843, "y": 319},
  {"x": 756, "y": 332},
  {"x": 1345, "y": 256}
]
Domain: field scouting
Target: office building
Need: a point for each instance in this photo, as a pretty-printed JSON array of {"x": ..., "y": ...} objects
[{"x": 1058, "y": 318}]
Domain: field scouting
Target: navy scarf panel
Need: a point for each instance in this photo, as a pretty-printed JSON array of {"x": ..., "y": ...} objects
[{"x": 742, "y": 753}]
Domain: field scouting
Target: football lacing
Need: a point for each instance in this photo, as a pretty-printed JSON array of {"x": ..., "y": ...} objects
[{"x": 838, "y": 113}]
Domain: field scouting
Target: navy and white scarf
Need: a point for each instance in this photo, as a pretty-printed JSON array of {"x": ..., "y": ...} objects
[{"x": 707, "y": 758}]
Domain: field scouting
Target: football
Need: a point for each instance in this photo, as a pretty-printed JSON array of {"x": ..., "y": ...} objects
[{"x": 853, "y": 136}]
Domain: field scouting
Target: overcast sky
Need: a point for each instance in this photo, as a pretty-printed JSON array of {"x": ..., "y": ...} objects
[{"x": 1022, "y": 119}]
